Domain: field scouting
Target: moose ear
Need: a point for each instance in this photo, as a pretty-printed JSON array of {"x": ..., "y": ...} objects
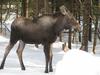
[{"x": 63, "y": 9}]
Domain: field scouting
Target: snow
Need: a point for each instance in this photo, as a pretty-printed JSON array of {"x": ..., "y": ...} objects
[
  {"x": 10, "y": 18},
  {"x": 78, "y": 62},
  {"x": 3, "y": 39}
]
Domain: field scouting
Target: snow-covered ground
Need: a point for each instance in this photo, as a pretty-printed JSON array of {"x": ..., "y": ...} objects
[
  {"x": 78, "y": 62},
  {"x": 34, "y": 59}
]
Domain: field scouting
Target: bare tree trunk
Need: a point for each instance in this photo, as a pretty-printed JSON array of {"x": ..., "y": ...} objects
[
  {"x": 90, "y": 23},
  {"x": 17, "y": 10},
  {"x": 86, "y": 21},
  {"x": 90, "y": 30},
  {"x": 53, "y": 6},
  {"x": 37, "y": 7},
  {"x": 46, "y": 6},
  {"x": 95, "y": 35},
  {"x": 96, "y": 24},
  {"x": 80, "y": 38},
  {"x": 27, "y": 1},
  {"x": 1, "y": 17},
  {"x": 25, "y": 8},
  {"x": 69, "y": 39}
]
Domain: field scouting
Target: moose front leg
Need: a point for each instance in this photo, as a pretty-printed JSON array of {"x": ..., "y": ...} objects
[
  {"x": 48, "y": 57},
  {"x": 50, "y": 63}
]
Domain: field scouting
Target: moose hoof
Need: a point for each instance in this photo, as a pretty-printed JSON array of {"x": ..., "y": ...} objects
[
  {"x": 51, "y": 70},
  {"x": 1, "y": 67},
  {"x": 46, "y": 71},
  {"x": 23, "y": 68}
]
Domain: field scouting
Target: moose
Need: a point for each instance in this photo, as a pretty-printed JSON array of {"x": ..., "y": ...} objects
[{"x": 42, "y": 31}]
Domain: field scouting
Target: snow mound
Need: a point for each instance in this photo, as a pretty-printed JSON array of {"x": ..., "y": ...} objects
[
  {"x": 78, "y": 62},
  {"x": 3, "y": 39}
]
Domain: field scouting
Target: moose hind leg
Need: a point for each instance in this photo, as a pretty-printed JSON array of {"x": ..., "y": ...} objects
[
  {"x": 8, "y": 49},
  {"x": 19, "y": 53}
]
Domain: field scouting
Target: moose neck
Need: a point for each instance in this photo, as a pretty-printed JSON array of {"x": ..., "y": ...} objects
[{"x": 60, "y": 24}]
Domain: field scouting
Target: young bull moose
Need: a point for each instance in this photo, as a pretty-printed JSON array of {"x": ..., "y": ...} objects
[{"x": 44, "y": 31}]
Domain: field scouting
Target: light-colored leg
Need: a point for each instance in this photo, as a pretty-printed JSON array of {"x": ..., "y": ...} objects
[{"x": 19, "y": 53}]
